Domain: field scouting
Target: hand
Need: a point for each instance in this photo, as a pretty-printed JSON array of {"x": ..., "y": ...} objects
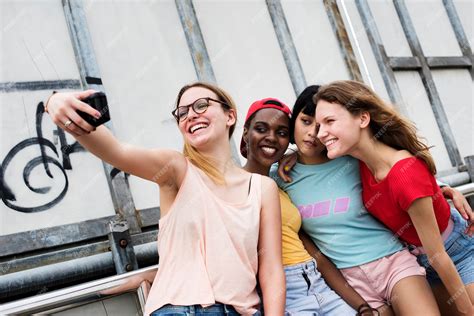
[
  {"x": 62, "y": 108},
  {"x": 285, "y": 165},
  {"x": 462, "y": 206}
]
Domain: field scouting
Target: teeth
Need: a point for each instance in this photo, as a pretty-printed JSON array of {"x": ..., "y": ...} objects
[
  {"x": 330, "y": 142},
  {"x": 196, "y": 127},
  {"x": 269, "y": 150}
]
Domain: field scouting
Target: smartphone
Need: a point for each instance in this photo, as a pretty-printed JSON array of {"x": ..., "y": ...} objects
[{"x": 98, "y": 101}]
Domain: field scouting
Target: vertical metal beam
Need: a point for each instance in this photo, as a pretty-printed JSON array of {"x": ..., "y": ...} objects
[
  {"x": 428, "y": 82},
  {"x": 90, "y": 78},
  {"x": 196, "y": 45},
  {"x": 287, "y": 46},
  {"x": 345, "y": 45},
  {"x": 459, "y": 32},
  {"x": 381, "y": 56},
  {"x": 198, "y": 50},
  {"x": 122, "y": 248}
]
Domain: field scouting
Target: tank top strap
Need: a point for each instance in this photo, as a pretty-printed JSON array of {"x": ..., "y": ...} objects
[{"x": 255, "y": 193}]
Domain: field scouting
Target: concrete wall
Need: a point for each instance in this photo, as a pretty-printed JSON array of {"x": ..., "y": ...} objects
[{"x": 144, "y": 59}]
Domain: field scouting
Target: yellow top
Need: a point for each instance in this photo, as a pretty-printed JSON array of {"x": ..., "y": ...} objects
[{"x": 293, "y": 251}]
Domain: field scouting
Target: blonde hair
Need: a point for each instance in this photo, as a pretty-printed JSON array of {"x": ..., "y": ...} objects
[
  {"x": 199, "y": 160},
  {"x": 386, "y": 124}
]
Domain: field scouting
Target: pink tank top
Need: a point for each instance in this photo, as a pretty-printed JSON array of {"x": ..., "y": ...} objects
[{"x": 208, "y": 249}]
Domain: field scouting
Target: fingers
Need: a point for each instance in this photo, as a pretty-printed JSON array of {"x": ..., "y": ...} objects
[
  {"x": 459, "y": 205},
  {"x": 79, "y": 125},
  {"x": 86, "y": 108},
  {"x": 71, "y": 129},
  {"x": 84, "y": 94},
  {"x": 63, "y": 107},
  {"x": 470, "y": 229}
]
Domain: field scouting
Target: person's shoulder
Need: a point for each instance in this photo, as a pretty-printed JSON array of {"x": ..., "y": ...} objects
[
  {"x": 268, "y": 185},
  {"x": 401, "y": 155}
]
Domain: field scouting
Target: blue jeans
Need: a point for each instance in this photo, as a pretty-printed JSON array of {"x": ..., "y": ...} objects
[
  {"x": 197, "y": 310},
  {"x": 308, "y": 294},
  {"x": 460, "y": 248}
]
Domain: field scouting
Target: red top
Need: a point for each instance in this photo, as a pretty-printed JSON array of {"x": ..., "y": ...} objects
[{"x": 389, "y": 200}]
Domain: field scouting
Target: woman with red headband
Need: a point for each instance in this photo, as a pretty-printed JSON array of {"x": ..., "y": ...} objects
[{"x": 265, "y": 139}]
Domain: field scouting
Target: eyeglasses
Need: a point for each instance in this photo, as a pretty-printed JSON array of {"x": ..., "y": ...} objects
[{"x": 199, "y": 106}]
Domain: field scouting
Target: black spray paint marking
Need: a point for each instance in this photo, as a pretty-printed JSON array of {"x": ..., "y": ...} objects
[{"x": 6, "y": 193}]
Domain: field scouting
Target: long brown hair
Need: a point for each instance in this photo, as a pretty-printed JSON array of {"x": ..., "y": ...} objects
[
  {"x": 199, "y": 160},
  {"x": 386, "y": 124}
]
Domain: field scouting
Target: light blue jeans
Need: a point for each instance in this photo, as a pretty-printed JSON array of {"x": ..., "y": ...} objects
[
  {"x": 460, "y": 247},
  {"x": 308, "y": 294}
]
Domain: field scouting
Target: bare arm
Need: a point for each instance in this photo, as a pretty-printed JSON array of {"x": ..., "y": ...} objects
[
  {"x": 270, "y": 266},
  {"x": 331, "y": 274},
  {"x": 422, "y": 215},
  {"x": 132, "y": 283},
  {"x": 157, "y": 165}
]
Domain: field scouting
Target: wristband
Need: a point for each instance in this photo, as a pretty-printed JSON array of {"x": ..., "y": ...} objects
[{"x": 46, "y": 104}]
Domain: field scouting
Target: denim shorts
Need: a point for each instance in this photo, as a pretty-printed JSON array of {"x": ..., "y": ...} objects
[
  {"x": 197, "y": 310},
  {"x": 460, "y": 248},
  {"x": 308, "y": 294}
]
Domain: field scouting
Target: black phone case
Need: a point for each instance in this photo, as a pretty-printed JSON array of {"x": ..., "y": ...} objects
[{"x": 98, "y": 101}]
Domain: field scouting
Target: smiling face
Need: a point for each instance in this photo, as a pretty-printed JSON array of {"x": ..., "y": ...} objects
[
  {"x": 308, "y": 145},
  {"x": 339, "y": 130},
  {"x": 200, "y": 129},
  {"x": 267, "y": 136}
]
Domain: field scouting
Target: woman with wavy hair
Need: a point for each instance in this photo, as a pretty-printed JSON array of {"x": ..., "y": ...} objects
[
  {"x": 219, "y": 224},
  {"x": 399, "y": 187}
]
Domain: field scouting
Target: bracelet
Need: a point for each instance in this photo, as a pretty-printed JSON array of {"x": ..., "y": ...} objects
[{"x": 46, "y": 104}]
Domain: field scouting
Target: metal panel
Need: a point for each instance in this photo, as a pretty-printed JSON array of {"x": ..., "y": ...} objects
[
  {"x": 449, "y": 62},
  {"x": 459, "y": 32},
  {"x": 88, "y": 68},
  {"x": 198, "y": 50},
  {"x": 53, "y": 236},
  {"x": 18, "y": 263},
  {"x": 381, "y": 56},
  {"x": 339, "y": 28},
  {"x": 48, "y": 303},
  {"x": 54, "y": 276},
  {"x": 287, "y": 46},
  {"x": 404, "y": 63},
  {"x": 39, "y": 85},
  {"x": 50, "y": 237},
  {"x": 427, "y": 78}
]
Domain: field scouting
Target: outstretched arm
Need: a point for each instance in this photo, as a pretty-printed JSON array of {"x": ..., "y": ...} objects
[
  {"x": 270, "y": 267},
  {"x": 157, "y": 165}
]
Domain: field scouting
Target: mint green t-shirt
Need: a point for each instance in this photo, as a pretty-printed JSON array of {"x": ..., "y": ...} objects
[{"x": 328, "y": 197}]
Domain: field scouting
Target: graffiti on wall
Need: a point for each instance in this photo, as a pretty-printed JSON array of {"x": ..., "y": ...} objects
[{"x": 43, "y": 161}]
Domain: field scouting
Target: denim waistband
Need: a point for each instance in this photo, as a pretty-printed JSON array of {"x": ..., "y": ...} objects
[
  {"x": 218, "y": 307},
  {"x": 300, "y": 267}
]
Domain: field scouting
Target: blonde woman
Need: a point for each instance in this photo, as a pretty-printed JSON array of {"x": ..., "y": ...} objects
[{"x": 219, "y": 224}]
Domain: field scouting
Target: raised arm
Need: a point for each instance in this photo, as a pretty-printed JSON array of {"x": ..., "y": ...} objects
[
  {"x": 270, "y": 266},
  {"x": 157, "y": 165},
  {"x": 422, "y": 215}
]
